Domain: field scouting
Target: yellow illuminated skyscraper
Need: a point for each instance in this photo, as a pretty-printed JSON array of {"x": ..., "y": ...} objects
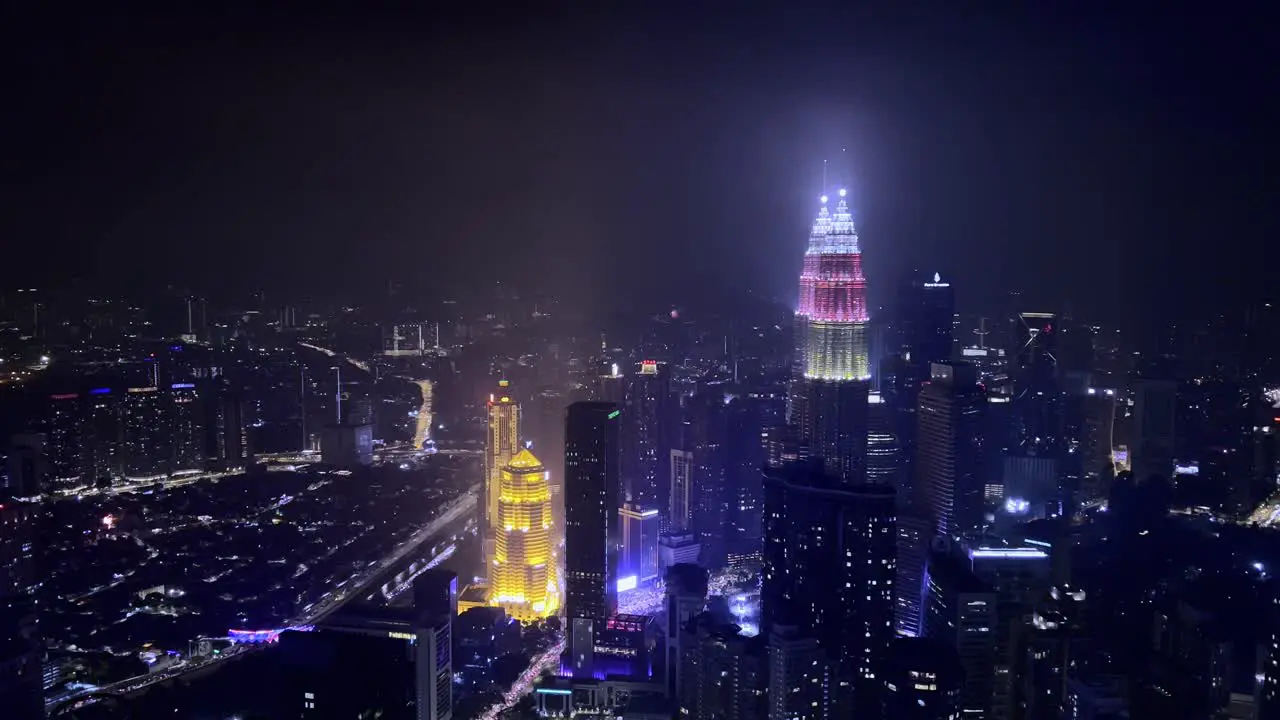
[
  {"x": 502, "y": 444},
  {"x": 523, "y": 575}
]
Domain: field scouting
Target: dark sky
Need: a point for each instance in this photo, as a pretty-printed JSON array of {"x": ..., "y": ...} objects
[{"x": 655, "y": 155}]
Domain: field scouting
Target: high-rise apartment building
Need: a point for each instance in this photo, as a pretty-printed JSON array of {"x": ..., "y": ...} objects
[
  {"x": 829, "y": 567},
  {"x": 62, "y": 422},
  {"x": 523, "y": 577},
  {"x": 501, "y": 444},
  {"x": 148, "y": 444},
  {"x": 800, "y": 677}
]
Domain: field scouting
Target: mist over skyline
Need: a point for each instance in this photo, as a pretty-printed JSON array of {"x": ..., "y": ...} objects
[{"x": 1096, "y": 161}]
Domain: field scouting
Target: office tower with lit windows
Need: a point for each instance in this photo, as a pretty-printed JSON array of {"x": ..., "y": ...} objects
[
  {"x": 745, "y": 455},
  {"x": 502, "y": 442},
  {"x": 648, "y": 425},
  {"x": 829, "y": 566},
  {"x": 592, "y": 496},
  {"x": 884, "y": 454},
  {"x": 915, "y": 534},
  {"x": 435, "y": 603},
  {"x": 638, "y": 556},
  {"x": 707, "y": 436},
  {"x": 951, "y": 447},
  {"x": 523, "y": 574},
  {"x": 680, "y": 514}
]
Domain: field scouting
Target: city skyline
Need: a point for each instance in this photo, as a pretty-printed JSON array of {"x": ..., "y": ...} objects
[{"x": 505, "y": 364}]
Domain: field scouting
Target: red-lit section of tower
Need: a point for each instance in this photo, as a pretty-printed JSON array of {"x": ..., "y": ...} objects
[{"x": 833, "y": 300}]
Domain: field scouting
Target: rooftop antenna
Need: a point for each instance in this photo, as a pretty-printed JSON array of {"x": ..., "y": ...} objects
[{"x": 824, "y": 178}]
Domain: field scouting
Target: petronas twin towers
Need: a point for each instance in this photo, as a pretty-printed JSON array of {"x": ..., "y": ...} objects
[
  {"x": 832, "y": 320},
  {"x": 828, "y": 403}
]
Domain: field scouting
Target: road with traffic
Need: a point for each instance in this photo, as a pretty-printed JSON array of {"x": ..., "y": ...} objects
[{"x": 354, "y": 586}]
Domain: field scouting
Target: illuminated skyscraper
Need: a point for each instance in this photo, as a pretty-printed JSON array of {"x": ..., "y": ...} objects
[
  {"x": 829, "y": 398},
  {"x": 833, "y": 299},
  {"x": 502, "y": 443},
  {"x": 523, "y": 575}
]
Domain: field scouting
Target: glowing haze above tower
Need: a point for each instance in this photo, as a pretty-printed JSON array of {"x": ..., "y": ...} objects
[
  {"x": 833, "y": 299},
  {"x": 524, "y": 578}
]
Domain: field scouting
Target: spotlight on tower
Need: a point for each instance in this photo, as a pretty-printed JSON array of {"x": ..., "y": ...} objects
[
  {"x": 843, "y": 192},
  {"x": 823, "y": 199}
]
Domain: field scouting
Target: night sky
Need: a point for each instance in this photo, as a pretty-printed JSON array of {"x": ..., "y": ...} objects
[{"x": 646, "y": 157}]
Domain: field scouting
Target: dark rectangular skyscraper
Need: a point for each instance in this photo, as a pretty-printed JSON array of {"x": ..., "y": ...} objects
[
  {"x": 951, "y": 447},
  {"x": 592, "y": 490},
  {"x": 928, "y": 308}
]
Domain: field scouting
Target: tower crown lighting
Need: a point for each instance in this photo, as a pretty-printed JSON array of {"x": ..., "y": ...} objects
[{"x": 833, "y": 298}]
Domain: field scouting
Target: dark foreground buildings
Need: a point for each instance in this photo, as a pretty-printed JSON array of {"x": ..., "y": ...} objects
[{"x": 829, "y": 564}]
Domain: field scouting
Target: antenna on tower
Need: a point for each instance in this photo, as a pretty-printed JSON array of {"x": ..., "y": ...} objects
[
  {"x": 982, "y": 333},
  {"x": 824, "y": 178}
]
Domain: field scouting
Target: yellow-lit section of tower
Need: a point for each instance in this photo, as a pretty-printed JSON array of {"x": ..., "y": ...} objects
[
  {"x": 502, "y": 444},
  {"x": 523, "y": 575}
]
